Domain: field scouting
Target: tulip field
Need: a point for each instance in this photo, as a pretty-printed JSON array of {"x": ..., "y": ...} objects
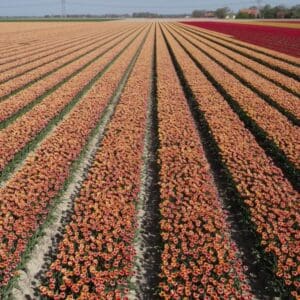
[
  {"x": 279, "y": 36},
  {"x": 148, "y": 160}
]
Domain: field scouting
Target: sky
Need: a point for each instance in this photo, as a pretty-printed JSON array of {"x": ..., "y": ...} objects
[{"x": 43, "y": 7}]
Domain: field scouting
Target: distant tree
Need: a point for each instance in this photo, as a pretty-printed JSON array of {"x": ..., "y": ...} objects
[
  {"x": 243, "y": 15},
  {"x": 280, "y": 11},
  {"x": 295, "y": 12},
  {"x": 267, "y": 12},
  {"x": 198, "y": 13},
  {"x": 144, "y": 15},
  {"x": 222, "y": 12}
]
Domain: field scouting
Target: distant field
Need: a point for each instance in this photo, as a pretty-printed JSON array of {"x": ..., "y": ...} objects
[
  {"x": 278, "y": 37},
  {"x": 147, "y": 160},
  {"x": 54, "y": 20},
  {"x": 279, "y": 23}
]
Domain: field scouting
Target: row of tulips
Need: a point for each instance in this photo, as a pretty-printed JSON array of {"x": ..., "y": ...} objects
[
  {"x": 43, "y": 57},
  {"x": 25, "y": 128},
  {"x": 199, "y": 259},
  {"x": 272, "y": 203},
  {"x": 262, "y": 55},
  {"x": 27, "y": 196},
  {"x": 46, "y": 39},
  {"x": 279, "y": 23},
  {"x": 278, "y": 128},
  {"x": 104, "y": 221},
  {"x": 12, "y": 40},
  {"x": 235, "y": 61},
  {"x": 37, "y": 73},
  {"x": 276, "y": 77},
  {"x": 281, "y": 39},
  {"x": 21, "y": 99},
  {"x": 24, "y": 69},
  {"x": 39, "y": 40},
  {"x": 292, "y": 60}
]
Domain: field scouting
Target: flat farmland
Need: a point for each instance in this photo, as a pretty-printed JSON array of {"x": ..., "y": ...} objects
[
  {"x": 279, "y": 36},
  {"x": 148, "y": 160}
]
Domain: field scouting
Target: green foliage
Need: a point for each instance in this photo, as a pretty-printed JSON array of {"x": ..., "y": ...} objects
[
  {"x": 198, "y": 13},
  {"x": 222, "y": 12},
  {"x": 243, "y": 15},
  {"x": 295, "y": 12},
  {"x": 280, "y": 11}
]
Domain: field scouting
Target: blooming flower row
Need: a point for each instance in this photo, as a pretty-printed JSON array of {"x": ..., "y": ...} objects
[
  {"x": 268, "y": 72},
  {"x": 104, "y": 221},
  {"x": 36, "y": 73},
  {"x": 284, "y": 40},
  {"x": 25, "y": 199},
  {"x": 272, "y": 58},
  {"x": 272, "y": 202},
  {"x": 14, "y": 137},
  {"x": 285, "y": 99},
  {"x": 26, "y": 63},
  {"x": 41, "y": 63},
  {"x": 199, "y": 259},
  {"x": 37, "y": 41},
  {"x": 32, "y": 43},
  {"x": 28, "y": 95},
  {"x": 277, "y": 126}
]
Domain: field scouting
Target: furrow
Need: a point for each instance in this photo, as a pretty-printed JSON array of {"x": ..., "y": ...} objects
[{"x": 148, "y": 242}]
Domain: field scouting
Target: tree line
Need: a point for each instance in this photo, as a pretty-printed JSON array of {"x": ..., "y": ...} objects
[{"x": 265, "y": 12}]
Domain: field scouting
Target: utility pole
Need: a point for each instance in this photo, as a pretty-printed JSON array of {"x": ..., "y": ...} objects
[{"x": 63, "y": 8}]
